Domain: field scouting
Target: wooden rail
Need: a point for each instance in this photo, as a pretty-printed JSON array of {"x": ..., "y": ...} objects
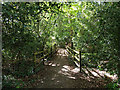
[
  {"x": 76, "y": 59},
  {"x": 42, "y": 58}
]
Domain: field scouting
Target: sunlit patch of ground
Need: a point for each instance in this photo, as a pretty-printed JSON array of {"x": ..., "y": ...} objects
[
  {"x": 99, "y": 76},
  {"x": 50, "y": 63},
  {"x": 62, "y": 52},
  {"x": 104, "y": 74},
  {"x": 69, "y": 71}
]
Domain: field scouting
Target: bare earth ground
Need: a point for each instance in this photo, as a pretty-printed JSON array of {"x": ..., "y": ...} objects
[{"x": 59, "y": 73}]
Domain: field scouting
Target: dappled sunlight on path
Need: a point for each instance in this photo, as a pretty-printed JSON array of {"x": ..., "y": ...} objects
[{"x": 59, "y": 73}]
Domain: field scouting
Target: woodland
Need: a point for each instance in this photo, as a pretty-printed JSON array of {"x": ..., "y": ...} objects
[{"x": 33, "y": 33}]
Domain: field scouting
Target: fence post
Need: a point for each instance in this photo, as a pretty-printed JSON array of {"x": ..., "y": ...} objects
[
  {"x": 80, "y": 59},
  {"x": 51, "y": 50},
  {"x": 43, "y": 53}
]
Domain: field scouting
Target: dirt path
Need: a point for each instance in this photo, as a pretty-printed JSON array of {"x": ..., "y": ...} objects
[{"x": 58, "y": 73}]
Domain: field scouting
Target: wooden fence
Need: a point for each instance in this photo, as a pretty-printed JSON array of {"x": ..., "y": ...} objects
[
  {"x": 44, "y": 54},
  {"x": 78, "y": 56}
]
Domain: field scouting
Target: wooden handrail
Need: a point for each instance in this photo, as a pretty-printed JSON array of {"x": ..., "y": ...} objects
[
  {"x": 40, "y": 53},
  {"x": 77, "y": 52},
  {"x": 73, "y": 50},
  {"x": 75, "y": 57}
]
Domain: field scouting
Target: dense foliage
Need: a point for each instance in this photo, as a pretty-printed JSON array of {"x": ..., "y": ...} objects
[{"x": 89, "y": 26}]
